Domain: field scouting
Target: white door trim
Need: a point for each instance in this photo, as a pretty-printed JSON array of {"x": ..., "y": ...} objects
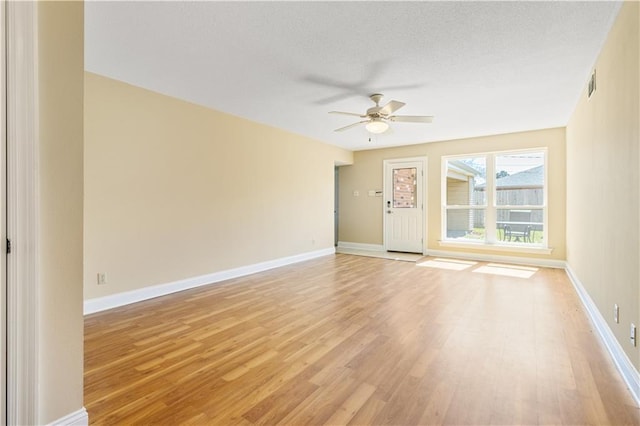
[
  {"x": 424, "y": 162},
  {"x": 3, "y": 217},
  {"x": 22, "y": 211}
]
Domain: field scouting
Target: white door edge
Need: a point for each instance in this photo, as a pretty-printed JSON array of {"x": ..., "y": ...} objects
[
  {"x": 3, "y": 218},
  {"x": 22, "y": 211}
]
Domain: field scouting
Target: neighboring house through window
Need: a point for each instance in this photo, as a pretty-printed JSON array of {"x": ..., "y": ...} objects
[{"x": 496, "y": 198}]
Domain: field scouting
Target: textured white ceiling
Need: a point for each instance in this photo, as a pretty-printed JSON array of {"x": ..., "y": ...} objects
[{"x": 480, "y": 68}]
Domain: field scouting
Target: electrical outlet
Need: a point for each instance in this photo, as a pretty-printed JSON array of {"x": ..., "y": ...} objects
[
  {"x": 616, "y": 313},
  {"x": 632, "y": 334},
  {"x": 102, "y": 278}
]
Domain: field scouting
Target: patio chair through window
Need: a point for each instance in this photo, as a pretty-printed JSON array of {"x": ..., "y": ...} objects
[{"x": 519, "y": 227}]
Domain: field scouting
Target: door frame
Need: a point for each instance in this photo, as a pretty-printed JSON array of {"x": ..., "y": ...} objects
[
  {"x": 22, "y": 209},
  {"x": 336, "y": 204},
  {"x": 385, "y": 163},
  {"x": 3, "y": 216}
]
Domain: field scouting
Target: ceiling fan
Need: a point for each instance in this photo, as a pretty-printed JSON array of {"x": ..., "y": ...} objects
[{"x": 377, "y": 117}]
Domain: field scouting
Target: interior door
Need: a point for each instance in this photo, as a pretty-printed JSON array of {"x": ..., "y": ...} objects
[{"x": 404, "y": 206}]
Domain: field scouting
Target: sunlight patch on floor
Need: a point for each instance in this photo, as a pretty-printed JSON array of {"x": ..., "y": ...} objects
[
  {"x": 507, "y": 270},
  {"x": 405, "y": 257},
  {"x": 451, "y": 264}
]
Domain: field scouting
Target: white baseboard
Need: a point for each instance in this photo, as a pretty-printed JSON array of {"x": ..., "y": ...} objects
[
  {"x": 77, "y": 418},
  {"x": 628, "y": 372},
  {"x": 517, "y": 260},
  {"x": 108, "y": 302},
  {"x": 360, "y": 246}
]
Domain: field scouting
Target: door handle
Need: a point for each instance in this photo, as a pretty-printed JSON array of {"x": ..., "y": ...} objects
[{"x": 389, "y": 212}]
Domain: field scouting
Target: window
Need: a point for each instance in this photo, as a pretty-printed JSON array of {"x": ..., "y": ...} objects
[{"x": 495, "y": 198}]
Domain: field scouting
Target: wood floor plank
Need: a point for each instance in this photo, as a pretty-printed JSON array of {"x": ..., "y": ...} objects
[
  {"x": 354, "y": 340},
  {"x": 352, "y": 405},
  {"x": 272, "y": 409}
]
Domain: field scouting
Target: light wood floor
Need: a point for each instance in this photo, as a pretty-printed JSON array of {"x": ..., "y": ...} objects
[{"x": 349, "y": 339}]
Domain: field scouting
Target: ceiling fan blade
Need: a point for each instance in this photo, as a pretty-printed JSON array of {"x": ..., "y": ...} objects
[
  {"x": 391, "y": 107},
  {"x": 412, "y": 118},
  {"x": 347, "y": 113},
  {"x": 342, "y": 129}
]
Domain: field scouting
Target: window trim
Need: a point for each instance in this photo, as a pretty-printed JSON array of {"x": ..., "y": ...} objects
[{"x": 491, "y": 208}]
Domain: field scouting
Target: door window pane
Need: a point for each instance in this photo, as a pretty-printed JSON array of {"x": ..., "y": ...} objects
[
  {"x": 520, "y": 179},
  {"x": 404, "y": 188}
]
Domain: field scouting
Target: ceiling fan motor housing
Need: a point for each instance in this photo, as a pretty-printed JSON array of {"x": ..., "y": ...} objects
[{"x": 374, "y": 111}]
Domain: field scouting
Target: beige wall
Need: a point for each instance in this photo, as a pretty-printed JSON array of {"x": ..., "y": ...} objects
[
  {"x": 174, "y": 190},
  {"x": 361, "y": 217},
  {"x": 60, "y": 344},
  {"x": 603, "y": 185}
]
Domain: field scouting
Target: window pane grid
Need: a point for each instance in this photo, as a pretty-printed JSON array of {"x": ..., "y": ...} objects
[
  {"x": 516, "y": 207},
  {"x": 470, "y": 207},
  {"x": 495, "y": 198}
]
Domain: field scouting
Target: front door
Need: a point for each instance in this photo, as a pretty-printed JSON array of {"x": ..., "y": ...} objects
[{"x": 404, "y": 205}]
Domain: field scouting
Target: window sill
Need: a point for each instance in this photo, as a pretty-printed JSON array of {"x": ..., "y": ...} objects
[{"x": 496, "y": 247}]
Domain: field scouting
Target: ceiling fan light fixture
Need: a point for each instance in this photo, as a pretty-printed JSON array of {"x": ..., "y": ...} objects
[
  {"x": 377, "y": 126},
  {"x": 376, "y": 117}
]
